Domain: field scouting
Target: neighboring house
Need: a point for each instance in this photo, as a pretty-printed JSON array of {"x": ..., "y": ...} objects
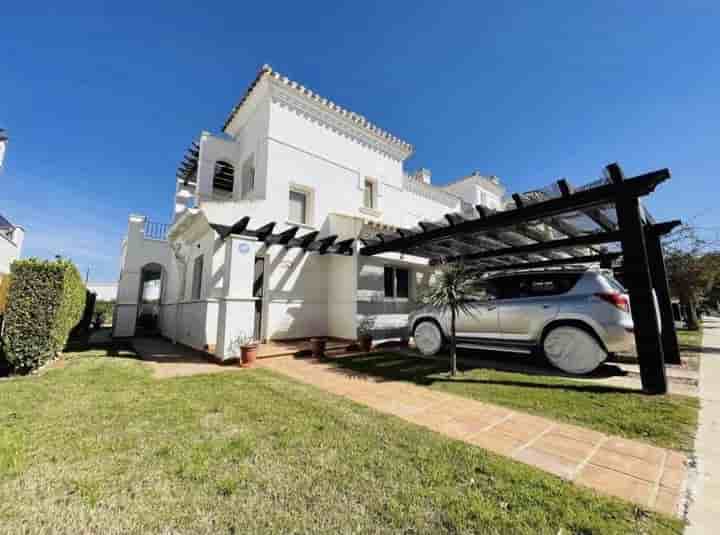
[
  {"x": 104, "y": 291},
  {"x": 291, "y": 157},
  {"x": 11, "y": 240}
]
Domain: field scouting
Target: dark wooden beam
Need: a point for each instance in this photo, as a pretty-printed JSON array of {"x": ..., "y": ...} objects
[
  {"x": 590, "y": 259},
  {"x": 578, "y": 241},
  {"x": 636, "y": 271},
  {"x": 343, "y": 247},
  {"x": 322, "y": 245},
  {"x": 283, "y": 238},
  {"x": 581, "y": 200},
  {"x": 263, "y": 232},
  {"x": 658, "y": 275},
  {"x": 305, "y": 240}
]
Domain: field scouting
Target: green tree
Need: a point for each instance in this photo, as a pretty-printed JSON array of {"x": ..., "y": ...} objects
[
  {"x": 451, "y": 291},
  {"x": 693, "y": 269}
]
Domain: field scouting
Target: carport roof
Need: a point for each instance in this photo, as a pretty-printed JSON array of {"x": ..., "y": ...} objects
[{"x": 557, "y": 225}]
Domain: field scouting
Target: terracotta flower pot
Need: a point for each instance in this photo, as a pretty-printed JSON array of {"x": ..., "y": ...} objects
[
  {"x": 248, "y": 355},
  {"x": 365, "y": 342},
  {"x": 318, "y": 347}
]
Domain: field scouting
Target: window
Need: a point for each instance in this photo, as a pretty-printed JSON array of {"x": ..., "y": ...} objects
[
  {"x": 223, "y": 177},
  {"x": 197, "y": 278},
  {"x": 298, "y": 207},
  {"x": 397, "y": 282},
  {"x": 247, "y": 185},
  {"x": 369, "y": 194}
]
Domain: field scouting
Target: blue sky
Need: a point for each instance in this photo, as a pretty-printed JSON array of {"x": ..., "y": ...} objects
[{"x": 102, "y": 98}]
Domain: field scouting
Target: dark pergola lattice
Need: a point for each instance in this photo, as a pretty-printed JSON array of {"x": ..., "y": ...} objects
[
  {"x": 287, "y": 238},
  {"x": 187, "y": 170},
  {"x": 561, "y": 226}
]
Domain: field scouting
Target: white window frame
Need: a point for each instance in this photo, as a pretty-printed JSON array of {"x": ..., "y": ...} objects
[
  {"x": 373, "y": 210},
  {"x": 309, "y": 205}
]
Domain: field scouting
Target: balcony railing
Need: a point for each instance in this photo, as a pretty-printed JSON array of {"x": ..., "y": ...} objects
[{"x": 156, "y": 231}]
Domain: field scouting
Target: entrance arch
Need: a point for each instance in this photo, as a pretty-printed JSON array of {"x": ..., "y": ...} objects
[{"x": 150, "y": 294}]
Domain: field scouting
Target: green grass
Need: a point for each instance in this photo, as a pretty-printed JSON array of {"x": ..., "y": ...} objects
[
  {"x": 690, "y": 340},
  {"x": 98, "y": 446},
  {"x": 668, "y": 421}
]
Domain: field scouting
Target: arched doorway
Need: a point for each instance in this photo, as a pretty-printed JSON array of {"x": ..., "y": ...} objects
[{"x": 150, "y": 295}]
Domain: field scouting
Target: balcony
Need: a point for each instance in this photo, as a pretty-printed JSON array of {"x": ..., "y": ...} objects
[{"x": 156, "y": 231}]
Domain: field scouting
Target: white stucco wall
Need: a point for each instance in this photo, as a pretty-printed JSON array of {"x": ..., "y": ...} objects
[{"x": 10, "y": 248}]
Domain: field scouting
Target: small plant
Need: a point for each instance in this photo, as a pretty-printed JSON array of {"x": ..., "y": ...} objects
[
  {"x": 242, "y": 340},
  {"x": 365, "y": 330},
  {"x": 365, "y": 326}
]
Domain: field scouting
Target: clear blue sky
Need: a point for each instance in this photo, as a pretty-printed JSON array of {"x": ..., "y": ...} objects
[{"x": 102, "y": 98}]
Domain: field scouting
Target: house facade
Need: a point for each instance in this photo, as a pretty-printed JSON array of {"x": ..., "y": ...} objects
[
  {"x": 293, "y": 161},
  {"x": 11, "y": 241}
]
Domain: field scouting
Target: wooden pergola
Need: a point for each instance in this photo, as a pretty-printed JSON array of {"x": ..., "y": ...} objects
[
  {"x": 287, "y": 238},
  {"x": 560, "y": 226}
]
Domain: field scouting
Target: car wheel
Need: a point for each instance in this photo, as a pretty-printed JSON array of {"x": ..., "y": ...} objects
[
  {"x": 573, "y": 350},
  {"x": 428, "y": 337}
]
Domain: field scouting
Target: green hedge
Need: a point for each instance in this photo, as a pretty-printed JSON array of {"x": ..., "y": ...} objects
[{"x": 46, "y": 300}]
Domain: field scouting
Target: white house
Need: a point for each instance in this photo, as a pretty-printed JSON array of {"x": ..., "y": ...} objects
[
  {"x": 291, "y": 157},
  {"x": 11, "y": 240}
]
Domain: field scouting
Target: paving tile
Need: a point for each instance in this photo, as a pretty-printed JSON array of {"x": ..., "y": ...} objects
[
  {"x": 615, "y": 483},
  {"x": 555, "y": 464},
  {"x": 626, "y": 464},
  {"x": 565, "y": 446},
  {"x": 495, "y": 442},
  {"x": 676, "y": 460},
  {"x": 578, "y": 433},
  {"x": 521, "y": 430},
  {"x": 672, "y": 478},
  {"x": 667, "y": 501},
  {"x": 639, "y": 450}
]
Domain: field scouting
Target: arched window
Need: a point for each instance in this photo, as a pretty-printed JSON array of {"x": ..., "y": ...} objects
[{"x": 223, "y": 177}]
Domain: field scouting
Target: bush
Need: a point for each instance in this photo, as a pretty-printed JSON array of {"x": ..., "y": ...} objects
[{"x": 45, "y": 301}]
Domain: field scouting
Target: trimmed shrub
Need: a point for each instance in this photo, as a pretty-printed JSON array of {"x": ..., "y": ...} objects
[{"x": 46, "y": 300}]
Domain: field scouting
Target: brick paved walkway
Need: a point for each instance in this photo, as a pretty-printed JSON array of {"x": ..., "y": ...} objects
[{"x": 647, "y": 475}]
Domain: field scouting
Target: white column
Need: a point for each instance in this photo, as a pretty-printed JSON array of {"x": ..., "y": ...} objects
[
  {"x": 237, "y": 307},
  {"x": 129, "y": 284}
]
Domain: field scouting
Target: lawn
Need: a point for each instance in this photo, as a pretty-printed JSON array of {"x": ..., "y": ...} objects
[
  {"x": 668, "y": 421},
  {"x": 690, "y": 340},
  {"x": 99, "y": 446}
]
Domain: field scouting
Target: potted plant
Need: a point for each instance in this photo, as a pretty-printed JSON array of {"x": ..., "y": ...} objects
[
  {"x": 365, "y": 333},
  {"x": 247, "y": 346},
  {"x": 318, "y": 347}
]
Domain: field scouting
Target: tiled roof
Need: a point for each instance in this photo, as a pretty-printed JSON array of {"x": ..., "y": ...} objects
[{"x": 356, "y": 118}]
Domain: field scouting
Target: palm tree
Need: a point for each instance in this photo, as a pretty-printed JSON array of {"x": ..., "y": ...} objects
[{"x": 451, "y": 291}]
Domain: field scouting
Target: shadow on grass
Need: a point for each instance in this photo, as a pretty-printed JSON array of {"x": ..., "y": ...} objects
[{"x": 388, "y": 367}]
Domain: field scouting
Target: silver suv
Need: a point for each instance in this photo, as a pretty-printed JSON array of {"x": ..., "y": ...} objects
[{"x": 574, "y": 317}]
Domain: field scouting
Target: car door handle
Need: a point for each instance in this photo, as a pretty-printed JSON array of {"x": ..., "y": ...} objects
[
  {"x": 491, "y": 308},
  {"x": 546, "y": 306}
]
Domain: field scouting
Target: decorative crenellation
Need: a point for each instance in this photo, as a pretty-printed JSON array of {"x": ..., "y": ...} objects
[{"x": 327, "y": 111}]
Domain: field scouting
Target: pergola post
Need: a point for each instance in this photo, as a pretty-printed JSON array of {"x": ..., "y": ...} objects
[
  {"x": 658, "y": 274},
  {"x": 642, "y": 303}
]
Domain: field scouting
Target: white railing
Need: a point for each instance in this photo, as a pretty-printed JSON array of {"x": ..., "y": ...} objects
[{"x": 156, "y": 231}]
